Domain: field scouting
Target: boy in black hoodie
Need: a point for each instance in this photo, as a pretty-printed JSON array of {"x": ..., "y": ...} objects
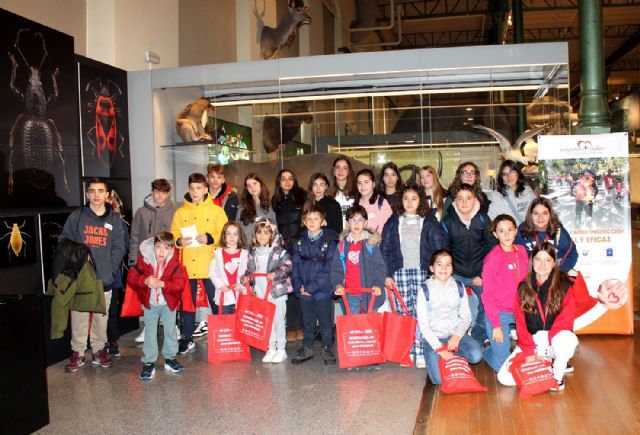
[{"x": 101, "y": 230}]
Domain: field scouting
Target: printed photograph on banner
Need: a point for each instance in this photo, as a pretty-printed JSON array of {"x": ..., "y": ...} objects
[{"x": 588, "y": 193}]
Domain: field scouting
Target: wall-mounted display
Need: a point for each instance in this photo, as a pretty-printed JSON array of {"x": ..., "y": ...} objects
[
  {"x": 234, "y": 141},
  {"x": 18, "y": 239},
  {"x": 104, "y": 121},
  {"x": 38, "y": 126}
]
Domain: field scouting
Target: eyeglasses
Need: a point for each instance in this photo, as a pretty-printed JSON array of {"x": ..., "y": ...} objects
[
  {"x": 509, "y": 172},
  {"x": 357, "y": 220},
  {"x": 469, "y": 173}
]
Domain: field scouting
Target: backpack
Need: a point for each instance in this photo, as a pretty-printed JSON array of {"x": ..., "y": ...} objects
[
  {"x": 341, "y": 252},
  {"x": 425, "y": 290}
]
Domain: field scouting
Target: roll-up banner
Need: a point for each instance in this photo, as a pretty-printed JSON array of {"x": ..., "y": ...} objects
[{"x": 587, "y": 180}]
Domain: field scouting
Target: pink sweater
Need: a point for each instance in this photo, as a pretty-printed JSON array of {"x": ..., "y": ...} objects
[
  {"x": 377, "y": 217},
  {"x": 501, "y": 274}
]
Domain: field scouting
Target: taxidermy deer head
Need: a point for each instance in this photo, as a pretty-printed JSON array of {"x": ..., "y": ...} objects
[{"x": 273, "y": 40}]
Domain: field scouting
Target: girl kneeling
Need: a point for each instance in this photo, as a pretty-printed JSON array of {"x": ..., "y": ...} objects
[
  {"x": 544, "y": 311},
  {"x": 444, "y": 317}
]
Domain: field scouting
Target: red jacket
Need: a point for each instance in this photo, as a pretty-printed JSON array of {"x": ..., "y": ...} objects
[
  {"x": 563, "y": 322},
  {"x": 174, "y": 278}
]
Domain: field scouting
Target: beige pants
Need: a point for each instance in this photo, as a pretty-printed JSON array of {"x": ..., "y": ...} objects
[{"x": 80, "y": 329}]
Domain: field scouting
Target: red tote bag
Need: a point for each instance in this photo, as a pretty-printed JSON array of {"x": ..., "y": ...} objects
[
  {"x": 222, "y": 346},
  {"x": 399, "y": 331},
  {"x": 255, "y": 317},
  {"x": 201, "y": 296},
  {"x": 359, "y": 337},
  {"x": 131, "y": 307},
  {"x": 457, "y": 377},
  {"x": 533, "y": 377}
]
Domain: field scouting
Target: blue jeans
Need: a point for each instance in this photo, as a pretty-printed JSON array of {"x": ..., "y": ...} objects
[
  {"x": 477, "y": 310},
  {"x": 497, "y": 353},
  {"x": 468, "y": 349},
  {"x": 358, "y": 304},
  {"x": 317, "y": 312},
  {"x": 168, "y": 319}
]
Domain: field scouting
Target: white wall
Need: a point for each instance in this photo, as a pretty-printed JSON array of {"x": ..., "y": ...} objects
[{"x": 67, "y": 16}]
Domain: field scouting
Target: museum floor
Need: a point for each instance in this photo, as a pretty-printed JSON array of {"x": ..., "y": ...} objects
[{"x": 602, "y": 396}]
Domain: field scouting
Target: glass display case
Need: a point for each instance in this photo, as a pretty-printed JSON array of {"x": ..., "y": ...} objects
[{"x": 412, "y": 107}]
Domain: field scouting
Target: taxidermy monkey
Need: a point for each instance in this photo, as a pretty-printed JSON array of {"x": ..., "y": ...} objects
[
  {"x": 189, "y": 121},
  {"x": 273, "y": 40}
]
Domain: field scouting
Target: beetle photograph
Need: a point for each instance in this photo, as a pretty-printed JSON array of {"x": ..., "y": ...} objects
[
  {"x": 18, "y": 242},
  {"x": 38, "y": 139},
  {"x": 104, "y": 121}
]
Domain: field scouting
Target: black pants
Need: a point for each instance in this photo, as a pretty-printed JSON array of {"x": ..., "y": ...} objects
[
  {"x": 114, "y": 314},
  {"x": 317, "y": 312},
  {"x": 189, "y": 318},
  {"x": 294, "y": 314}
]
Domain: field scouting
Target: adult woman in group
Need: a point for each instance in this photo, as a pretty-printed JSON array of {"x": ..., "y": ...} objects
[
  {"x": 318, "y": 195},
  {"x": 513, "y": 195}
]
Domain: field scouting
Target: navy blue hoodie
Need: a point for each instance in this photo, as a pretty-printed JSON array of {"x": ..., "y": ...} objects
[{"x": 103, "y": 235}]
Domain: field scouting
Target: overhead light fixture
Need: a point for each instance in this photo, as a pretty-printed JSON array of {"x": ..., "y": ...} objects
[
  {"x": 469, "y": 119},
  {"x": 469, "y": 109}
]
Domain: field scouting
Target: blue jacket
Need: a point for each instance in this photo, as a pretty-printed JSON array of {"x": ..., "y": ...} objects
[
  {"x": 432, "y": 238},
  {"x": 312, "y": 264},
  {"x": 372, "y": 267},
  {"x": 567, "y": 252}
]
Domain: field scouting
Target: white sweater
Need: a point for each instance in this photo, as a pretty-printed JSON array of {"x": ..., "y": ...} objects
[{"x": 445, "y": 314}]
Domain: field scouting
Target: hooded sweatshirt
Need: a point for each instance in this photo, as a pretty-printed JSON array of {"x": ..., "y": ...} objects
[
  {"x": 149, "y": 220},
  {"x": 103, "y": 235},
  {"x": 171, "y": 273}
]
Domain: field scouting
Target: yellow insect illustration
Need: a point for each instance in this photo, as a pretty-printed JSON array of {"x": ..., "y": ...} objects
[{"x": 17, "y": 244}]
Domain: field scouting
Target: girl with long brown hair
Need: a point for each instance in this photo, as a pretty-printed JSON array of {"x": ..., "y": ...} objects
[
  {"x": 254, "y": 203},
  {"x": 544, "y": 312},
  {"x": 433, "y": 189},
  {"x": 467, "y": 173},
  {"x": 343, "y": 184}
]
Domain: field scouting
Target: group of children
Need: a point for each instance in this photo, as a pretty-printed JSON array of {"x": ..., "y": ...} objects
[{"x": 467, "y": 279}]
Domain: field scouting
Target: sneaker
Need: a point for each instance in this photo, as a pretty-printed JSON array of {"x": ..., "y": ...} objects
[
  {"x": 328, "y": 356},
  {"x": 101, "y": 358},
  {"x": 201, "y": 330},
  {"x": 75, "y": 362},
  {"x": 569, "y": 369},
  {"x": 268, "y": 357},
  {"x": 420, "y": 362},
  {"x": 173, "y": 365},
  {"x": 279, "y": 357},
  {"x": 185, "y": 346},
  {"x": 112, "y": 348},
  {"x": 140, "y": 337},
  {"x": 178, "y": 335},
  {"x": 560, "y": 387},
  {"x": 148, "y": 369},
  {"x": 303, "y": 354},
  {"x": 513, "y": 335}
]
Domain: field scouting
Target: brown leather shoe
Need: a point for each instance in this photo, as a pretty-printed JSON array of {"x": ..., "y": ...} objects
[
  {"x": 292, "y": 336},
  {"x": 299, "y": 334}
]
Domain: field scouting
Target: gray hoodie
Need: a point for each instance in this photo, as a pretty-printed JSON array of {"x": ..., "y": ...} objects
[
  {"x": 148, "y": 221},
  {"x": 103, "y": 235}
]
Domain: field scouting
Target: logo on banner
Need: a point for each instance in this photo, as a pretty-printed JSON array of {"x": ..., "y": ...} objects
[
  {"x": 609, "y": 252},
  {"x": 584, "y": 145}
]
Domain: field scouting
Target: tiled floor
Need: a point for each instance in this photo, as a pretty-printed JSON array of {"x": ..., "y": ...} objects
[{"x": 232, "y": 398}]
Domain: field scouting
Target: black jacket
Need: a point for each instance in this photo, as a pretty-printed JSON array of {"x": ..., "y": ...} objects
[
  {"x": 469, "y": 245},
  {"x": 289, "y": 219},
  {"x": 333, "y": 213}
]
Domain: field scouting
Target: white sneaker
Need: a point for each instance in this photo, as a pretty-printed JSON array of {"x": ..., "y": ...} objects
[
  {"x": 201, "y": 330},
  {"x": 420, "y": 362},
  {"x": 178, "y": 336},
  {"x": 513, "y": 335},
  {"x": 268, "y": 357},
  {"x": 140, "y": 337},
  {"x": 280, "y": 356}
]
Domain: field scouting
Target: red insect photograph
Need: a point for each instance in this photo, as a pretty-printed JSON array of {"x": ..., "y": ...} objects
[{"x": 103, "y": 120}]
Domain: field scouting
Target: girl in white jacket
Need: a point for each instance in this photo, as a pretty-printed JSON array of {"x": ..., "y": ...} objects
[{"x": 229, "y": 264}]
